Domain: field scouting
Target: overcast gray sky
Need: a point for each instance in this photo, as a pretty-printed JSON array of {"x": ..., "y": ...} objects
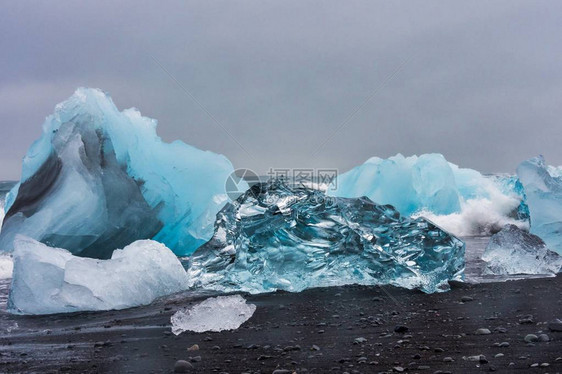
[{"x": 479, "y": 81}]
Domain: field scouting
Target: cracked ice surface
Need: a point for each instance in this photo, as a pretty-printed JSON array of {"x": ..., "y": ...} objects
[{"x": 276, "y": 236}]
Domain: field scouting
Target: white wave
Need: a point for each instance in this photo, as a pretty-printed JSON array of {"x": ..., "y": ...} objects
[
  {"x": 479, "y": 216},
  {"x": 6, "y": 266}
]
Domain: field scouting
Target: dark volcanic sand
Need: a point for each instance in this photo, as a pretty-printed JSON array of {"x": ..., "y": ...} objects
[{"x": 285, "y": 326}]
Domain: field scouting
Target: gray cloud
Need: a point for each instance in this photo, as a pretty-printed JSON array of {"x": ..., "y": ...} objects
[{"x": 482, "y": 84}]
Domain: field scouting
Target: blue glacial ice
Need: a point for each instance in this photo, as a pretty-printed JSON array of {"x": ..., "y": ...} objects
[
  {"x": 462, "y": 201},
  {"x": 277, "y": 236},
  {"x": 99, "y": 178},
  {"x": 515, "y": 251},
  {"x": 543, "y": 190},
  {"x": 51, "y": 280}
]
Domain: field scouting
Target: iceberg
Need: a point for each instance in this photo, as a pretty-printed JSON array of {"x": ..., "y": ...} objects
[
  {"x": 99, "y": 178},
  {"x": 51, "y": 280},
  {"x": 213, "y": 314},
  {"x": 543, "y": 190},
  {"x": 462, "y": 201},
  {"x": 282, "y": 237},
  {"x": 515, "y": 251}
]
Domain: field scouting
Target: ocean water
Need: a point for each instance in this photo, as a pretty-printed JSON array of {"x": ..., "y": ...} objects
[{"x": 5, "y": 187}]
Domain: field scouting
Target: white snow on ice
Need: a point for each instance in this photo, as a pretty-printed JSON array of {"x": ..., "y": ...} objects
[{"x": 51, "y": 280}]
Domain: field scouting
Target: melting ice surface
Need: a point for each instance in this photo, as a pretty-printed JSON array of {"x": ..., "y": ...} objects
[
  {"x": 214, "y": 314},
  {"x": 462, "y": 201},
  {"x": 280, "y": 237},
  {"x": 543, "y": 190},
  {"x": 99, "y": 178},
  {"x": 51, "y": 280},
  {"x": 515, "y": 251}
]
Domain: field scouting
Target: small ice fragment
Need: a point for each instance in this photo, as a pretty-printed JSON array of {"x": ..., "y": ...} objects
[
  {"x": 214, "y": 314},
  {"x": 514, "y": 251},
  {"x": 11, "y": 327}
]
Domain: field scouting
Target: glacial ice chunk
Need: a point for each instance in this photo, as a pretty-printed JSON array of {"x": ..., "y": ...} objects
[
  {"x": 276, "y": 236},
  {"x": 51, "y": 280},
  {"x": 515, "y": 251},
  {"x": 543, "y": 191},
  {"x": 462, "y": 201},
  {"x": 99, "y": 178},
  {"x": 213, "y": 314}
]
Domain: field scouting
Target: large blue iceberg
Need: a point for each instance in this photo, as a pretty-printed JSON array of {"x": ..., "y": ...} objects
[
  {"x": 277, "y": 236},
  {"x": 543, "y": 191},
  {"x": 462, "y": 201},
  {"x": 99, "y": 179}
]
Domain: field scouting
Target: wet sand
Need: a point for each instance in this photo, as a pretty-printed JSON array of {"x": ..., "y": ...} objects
[{"x": 339, "y": 329}]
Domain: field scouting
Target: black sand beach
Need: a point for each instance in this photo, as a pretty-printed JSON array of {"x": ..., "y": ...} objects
[{"x": 352, "y": 329}]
